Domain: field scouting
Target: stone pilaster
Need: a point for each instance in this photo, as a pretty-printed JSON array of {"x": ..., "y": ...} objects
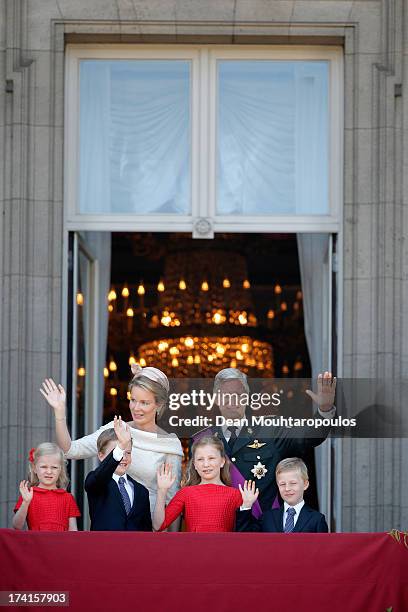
[
  {"x": 374, "y": 264},
  {"x": 31, "y": 242}
]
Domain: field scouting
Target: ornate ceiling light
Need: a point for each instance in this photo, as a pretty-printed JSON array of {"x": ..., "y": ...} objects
[
  {"x": 198, "y": 319},
  {"x": 204, "y": 319}
]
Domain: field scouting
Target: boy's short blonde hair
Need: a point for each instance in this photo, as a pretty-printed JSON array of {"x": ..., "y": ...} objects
[{"x": 293, "y": 463}]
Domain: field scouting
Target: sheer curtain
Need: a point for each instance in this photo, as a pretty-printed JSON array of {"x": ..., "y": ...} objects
[
  {"x": 94, "y": 170},
  {"x": 311, "y": 140},
  {"x": 314, "y": 260},
  {"x": 272, "y": 137},
  {"x": 135, "y": 136},
  {"x": 98, "y": 245}
]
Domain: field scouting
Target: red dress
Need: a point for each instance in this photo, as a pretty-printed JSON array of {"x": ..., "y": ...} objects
[
  {"x": 50, "y": 509},
  {"x": 207, "y": 507}
]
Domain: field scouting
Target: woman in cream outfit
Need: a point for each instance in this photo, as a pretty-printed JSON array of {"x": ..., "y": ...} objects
[{"x": 151, "y": 447}]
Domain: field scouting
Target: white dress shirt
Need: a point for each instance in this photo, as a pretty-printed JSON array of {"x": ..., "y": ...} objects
[
  {"x": 118, "y": 456},
  {"x": 227, "y": 433},
  {"x": 329, "y": 414}
]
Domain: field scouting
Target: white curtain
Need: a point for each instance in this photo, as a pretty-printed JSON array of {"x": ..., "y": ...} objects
[
  {"x": 272, "y": 137},
  {"x": 311, "y": 141},
  {"x": 94, "y": 168},
  {"x": 135, "y": 136},
  {"x": 314, "y": 260},
  {"x": 99, "y": 246}
]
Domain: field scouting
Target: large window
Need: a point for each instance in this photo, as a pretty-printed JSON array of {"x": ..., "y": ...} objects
[{"x": 243, "y": 136}]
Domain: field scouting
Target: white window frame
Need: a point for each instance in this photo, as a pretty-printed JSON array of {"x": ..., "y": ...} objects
[
  {"x": 285, "y": 223},
  {"x": 203, "y": 60},
  {"x": 74, "y": 220}
]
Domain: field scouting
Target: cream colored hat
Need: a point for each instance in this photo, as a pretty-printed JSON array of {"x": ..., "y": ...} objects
[{"x": 152, "y": 373}]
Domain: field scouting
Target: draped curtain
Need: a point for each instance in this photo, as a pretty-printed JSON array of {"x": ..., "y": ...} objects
[
  {"x": 135, "y": 136},
  {"x": 272, "y": 138},
  {"x": 314, "y": 261},
  {"x": 99, "y": 246}
]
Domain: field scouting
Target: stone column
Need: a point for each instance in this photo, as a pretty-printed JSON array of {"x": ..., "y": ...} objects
[
  {"x": 31, "y": 123},
  {"x": 373, "y": 498}
]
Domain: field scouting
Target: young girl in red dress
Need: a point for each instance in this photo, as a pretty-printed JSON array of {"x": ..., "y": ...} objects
[
  {"x": 207, "y": 500},
  {"x": 44, "y": 503}
]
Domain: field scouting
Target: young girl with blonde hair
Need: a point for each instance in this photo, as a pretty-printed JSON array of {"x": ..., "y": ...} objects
[{"x": 44, "y": 502}]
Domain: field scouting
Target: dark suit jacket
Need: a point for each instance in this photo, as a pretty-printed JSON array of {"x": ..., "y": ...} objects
[
  {"x": 106, "y": 507},
  {"x": 309, "y": 521}
]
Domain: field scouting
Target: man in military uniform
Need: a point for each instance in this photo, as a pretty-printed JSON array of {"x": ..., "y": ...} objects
[{"x": 255, "y": 452}]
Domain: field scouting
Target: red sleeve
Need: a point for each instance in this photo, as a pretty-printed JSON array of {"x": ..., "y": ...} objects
[
  {"x": 18, "y": 504},
  {"x": 238, "y": 498},
  {"x": 73, "y": 508},
  {"x": 174, "y": 509}
]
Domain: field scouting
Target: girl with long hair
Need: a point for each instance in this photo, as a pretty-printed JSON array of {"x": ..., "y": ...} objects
[{"x": 207, "y": 500}]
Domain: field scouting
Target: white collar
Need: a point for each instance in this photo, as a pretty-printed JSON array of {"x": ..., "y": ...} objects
[
  {"x": 226, "y": 428},
  {"x": 297, "y": 508},
  {"x": 116, "y": 477}
]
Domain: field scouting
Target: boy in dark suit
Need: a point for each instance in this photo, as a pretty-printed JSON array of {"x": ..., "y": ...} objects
[
  {"x": 116, "y": 501},
  {"x": 294, "y": 516}
]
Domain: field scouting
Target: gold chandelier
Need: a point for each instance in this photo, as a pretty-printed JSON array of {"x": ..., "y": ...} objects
[
  {"x": 199, "y": 318},
  {"x": 188, "y": 356}
]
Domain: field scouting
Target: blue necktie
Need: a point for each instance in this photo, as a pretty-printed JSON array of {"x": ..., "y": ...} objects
[
  {"x": 290, "y": 520},
  {"x": 124, "y": 494}
]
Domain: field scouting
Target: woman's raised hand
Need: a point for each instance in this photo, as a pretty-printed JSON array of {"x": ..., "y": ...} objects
[
  {"x": 55, "y": 396},
  {"x": 26, "y": 492},
  {"x": 249, "y": 493},
  {"x": 165, "y": 477},
  {"x": 122, "y": 432}
]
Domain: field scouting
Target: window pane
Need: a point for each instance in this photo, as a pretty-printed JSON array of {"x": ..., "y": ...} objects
[
  {"x": 134, "y": 136},
  {"x": 273, "y": 135}
]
